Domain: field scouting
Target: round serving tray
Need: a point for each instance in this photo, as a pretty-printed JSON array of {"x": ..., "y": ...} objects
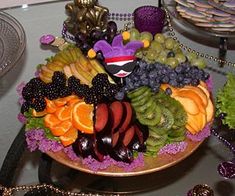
[
  {"x": 151, "y": 164},
  {"x": 170, "y": 6},
  {"x": 12, "y": 42}
]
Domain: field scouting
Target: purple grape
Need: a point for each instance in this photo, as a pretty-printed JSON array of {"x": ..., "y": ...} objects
[
  {"x": 80, "y": 38},
  {"x": 100, "y": 56},
  {"x": 96, "y": 35},
  {"x": 112, "y": 26}
]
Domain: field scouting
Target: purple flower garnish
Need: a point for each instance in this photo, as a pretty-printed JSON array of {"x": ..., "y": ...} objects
[
  {"x": 19, "y": 89},
  {"x": 70, "y": 153},
  {"x": 22, "y": 118},
  {"x": 227, "y": 169},
  {"x": 36, "y": 139},
  {"x": 173, "y": 148},
  {"x": 204, "y": 133}
]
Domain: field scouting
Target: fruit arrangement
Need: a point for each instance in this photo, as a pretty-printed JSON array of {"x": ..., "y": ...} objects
[{"x": 77, "y": 103}]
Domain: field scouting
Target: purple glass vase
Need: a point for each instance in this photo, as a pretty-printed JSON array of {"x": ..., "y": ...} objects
[{"x": 149, "y": 18}]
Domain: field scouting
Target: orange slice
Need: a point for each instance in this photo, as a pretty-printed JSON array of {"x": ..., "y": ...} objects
[
  {"x": 51, "y": 120},
  {"x": 61, "y": 128},
  {"x": 64, "y": 113},
  {"x": 69, "y": 137},
  {"x": 82, "y": 117},
  {"x": 38, "y": 114},
  {"x": 51, "y": 106},
  {"x": 72, "y": 102},
  {"x": 60, "y": 102}
]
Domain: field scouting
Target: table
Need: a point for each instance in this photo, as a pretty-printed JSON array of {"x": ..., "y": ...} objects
[{"x": 197, "y": 169}]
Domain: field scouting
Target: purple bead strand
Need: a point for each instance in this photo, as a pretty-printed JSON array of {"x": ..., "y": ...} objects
[
  {"x": 224, "y": 141},
  {"x": 66, "y": 35}
]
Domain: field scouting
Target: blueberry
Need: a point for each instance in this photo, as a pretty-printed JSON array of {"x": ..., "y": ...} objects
[
  {"x": 145, "y": 82},
  {"x": 168, "y": 91},
  {"x": 178, "y": 69},
  {"x": 165, "y": 79},
  {"x": 172, "y": 75},
  {"x": 120, "y": 95}
]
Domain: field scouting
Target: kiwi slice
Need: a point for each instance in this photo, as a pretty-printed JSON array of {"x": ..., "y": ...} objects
[
  {"x": 180, "y": 115},
  {"x": 149, "y": 112},
  {"x": 145, "y": 107},
  {"x": 152, "y": 119},
  {"x": 152, "y": 141},
  {"x": 137, "y": 92},
  {"x": 177, "y": 132},
  {"x": 146, "y": 93},
  {"x": 167, "y": 120},
  {"x": 154, "y": 129},
  {"x": 176, "y": 139},
  {"x": 141, "y": 102}
]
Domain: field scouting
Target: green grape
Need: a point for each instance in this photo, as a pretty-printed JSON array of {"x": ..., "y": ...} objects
[
  {"x": 199, "y": 62},
  {"x": 178, "y": 51},
  {"x": 162, "y": 58},
  {"x": 164, "y": 53},
  {"x": 139, "y": 54},
  {"x": 191, "y": 56},
  {"x": 156, "y": 46},
  {"x": 176, "y": 46},
  {"x": 171, "y": 61},
  {"x": 159, "y": 38},
  {"x": 151, "y": 55},
  {"x": 134, "y": 34},
  {"x": 146, "y": 35},
  {"x": 169, "y": 43},
  {"x": 180, "y": 57}
]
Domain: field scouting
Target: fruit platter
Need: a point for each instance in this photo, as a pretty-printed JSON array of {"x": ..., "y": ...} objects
[{"x": 118, "y": 103}]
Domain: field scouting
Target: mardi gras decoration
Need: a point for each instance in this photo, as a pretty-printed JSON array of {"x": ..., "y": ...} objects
[
  {"x": 85, "y": 16},
  {"x": 120, "y": 58}
]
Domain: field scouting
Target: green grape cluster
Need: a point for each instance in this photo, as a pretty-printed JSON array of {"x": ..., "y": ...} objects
[{"x": 164, "y": 50}]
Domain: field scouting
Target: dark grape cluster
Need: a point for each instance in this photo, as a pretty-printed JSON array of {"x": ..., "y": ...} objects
[
  {"x": 86, "y": 42},
  {"x": 153, "y": 75}
]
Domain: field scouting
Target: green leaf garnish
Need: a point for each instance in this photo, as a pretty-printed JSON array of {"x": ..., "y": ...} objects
[{"x": 226, "y": 101}]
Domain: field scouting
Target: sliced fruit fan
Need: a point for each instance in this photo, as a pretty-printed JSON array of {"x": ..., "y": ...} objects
[{"x": 74, "y": 102}]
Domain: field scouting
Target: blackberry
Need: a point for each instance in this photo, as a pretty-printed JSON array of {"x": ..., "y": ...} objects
[
  {"x": 64, "y": 92},
  {"x": 27, "y": 92},
  {"x": 39, "y": 93},
  {"x": 39, "y": 104},
  {"x": 25, "y": 107},
  {"x": 93, "y": 98},
  {"x": 73, "y": 83},
  {"x": 82, "y": 90},
  {"x": 111, "y": 90},
  {"x": 51, "y": 91},
  {"x": 37, "y": 83},
  {"x": 100, "y": 79},
  {"x": 59, "y": 78}
]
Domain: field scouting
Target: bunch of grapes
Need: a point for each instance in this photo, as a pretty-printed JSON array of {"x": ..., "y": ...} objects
[
  {"x": 86, "y": 42},
  {"x": 155, "y": 74},
  {"x": 164, "y": 50}
]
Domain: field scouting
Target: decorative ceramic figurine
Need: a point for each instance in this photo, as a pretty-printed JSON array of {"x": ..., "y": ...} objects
[{"x": 85, "y": 16}]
